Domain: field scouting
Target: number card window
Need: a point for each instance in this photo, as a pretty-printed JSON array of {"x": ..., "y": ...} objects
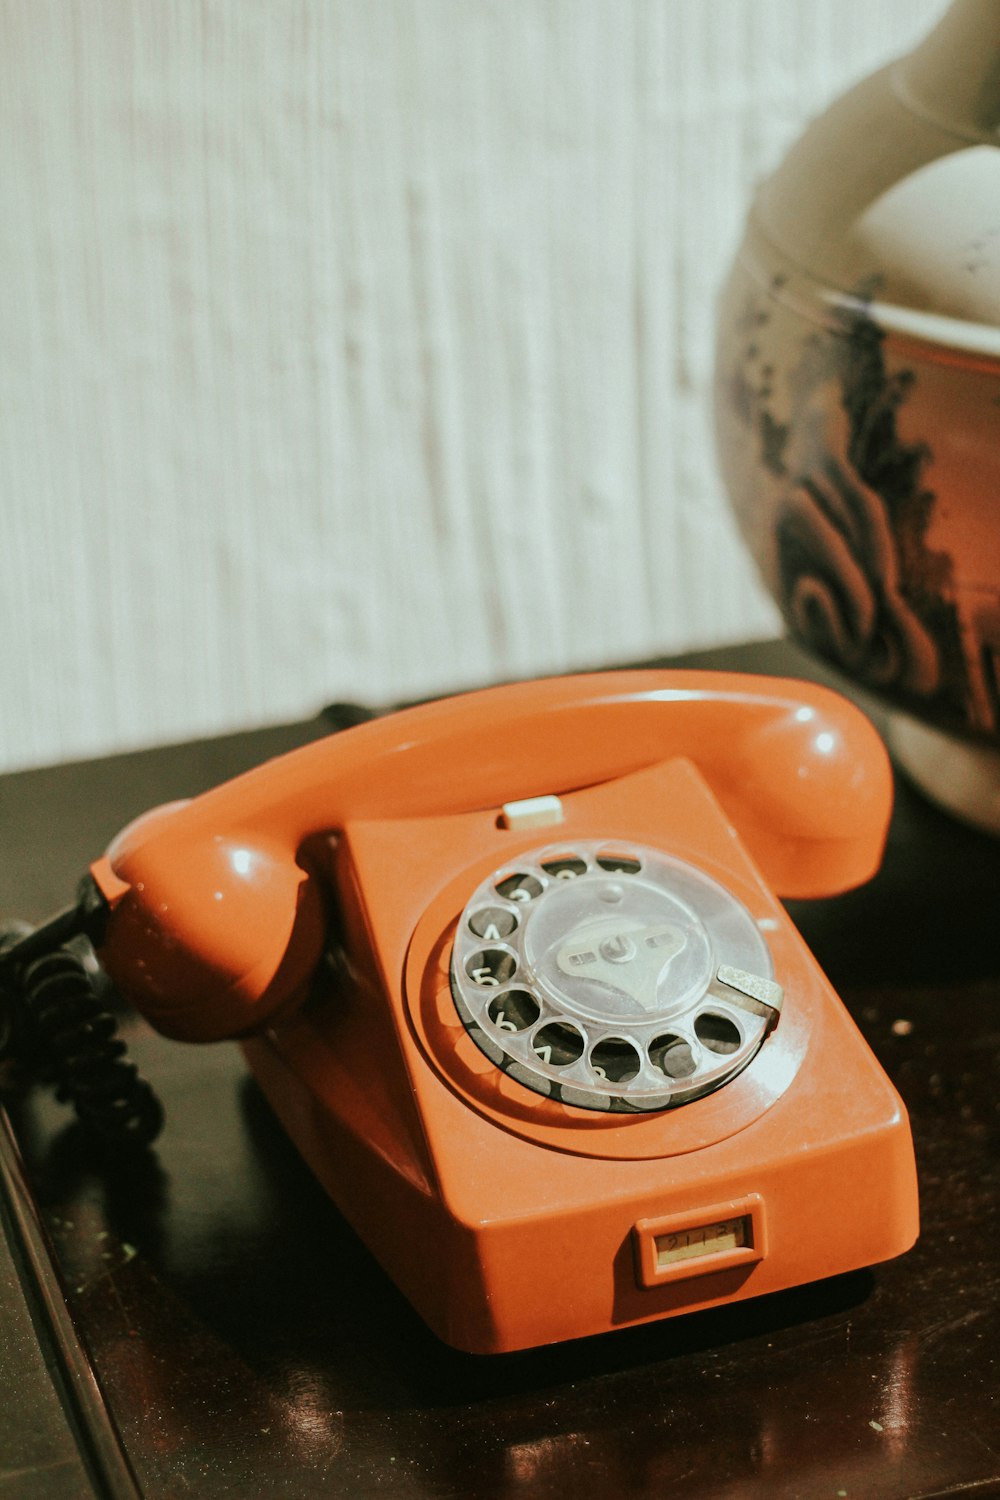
[{"x": 720, "y": 1237}]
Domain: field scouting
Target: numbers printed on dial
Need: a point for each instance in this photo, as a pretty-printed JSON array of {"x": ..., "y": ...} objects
[
  {"x": 618, "y": 863},
  {"x": 514, "y": 1010},
  {"x": 565, "y": 867},
  {"x": 491, "y": 967},
  {"x": 492, "y": 923},
  {"x": 615, "y": 1060},
  {"x": 558, "y": 1044},
  {"x": 520, "y": 887}
]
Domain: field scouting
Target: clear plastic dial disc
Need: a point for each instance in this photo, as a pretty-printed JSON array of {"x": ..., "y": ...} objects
[{"x": 615, "y": 978}]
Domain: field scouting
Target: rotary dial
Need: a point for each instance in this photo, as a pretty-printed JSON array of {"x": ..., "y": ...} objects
[{"x": 612, "y": 978}]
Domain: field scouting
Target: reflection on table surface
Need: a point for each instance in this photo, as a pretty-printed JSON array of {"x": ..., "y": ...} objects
[{"x": 247, "y": 1343}]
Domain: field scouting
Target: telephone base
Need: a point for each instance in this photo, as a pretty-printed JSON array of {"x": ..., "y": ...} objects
[
  {"x": 510, "y": 1220},
  {"x": 506, "y": 1283}
]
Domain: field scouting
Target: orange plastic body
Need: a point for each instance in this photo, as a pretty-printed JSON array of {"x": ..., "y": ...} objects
[
  {"x": 507, "y": 1218},
  {"x": 216, "y": 923}
]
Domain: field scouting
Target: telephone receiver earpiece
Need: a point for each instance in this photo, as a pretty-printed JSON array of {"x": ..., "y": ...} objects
[{"x": 217, "y": 915}]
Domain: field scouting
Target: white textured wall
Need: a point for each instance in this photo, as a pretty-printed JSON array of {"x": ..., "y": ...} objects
[{"x": 362, "y": 347}]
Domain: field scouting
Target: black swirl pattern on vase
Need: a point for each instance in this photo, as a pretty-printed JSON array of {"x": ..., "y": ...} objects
[
  {"x": 837, "y": 509},
  {"x": 840, "y": 582}
]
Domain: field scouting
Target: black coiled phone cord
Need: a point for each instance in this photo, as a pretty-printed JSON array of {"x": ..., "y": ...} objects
[
  {"x": 54, "y": 1023},
  {"x": 57, "y": 1028},
  {"x": 75, "y": 1038}
]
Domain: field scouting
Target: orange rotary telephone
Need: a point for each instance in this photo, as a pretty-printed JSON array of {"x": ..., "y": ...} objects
[{"x": 512, "y": 970}]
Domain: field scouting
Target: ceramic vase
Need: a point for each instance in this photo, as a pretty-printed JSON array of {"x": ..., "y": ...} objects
[{"x": 858, "y": 398}]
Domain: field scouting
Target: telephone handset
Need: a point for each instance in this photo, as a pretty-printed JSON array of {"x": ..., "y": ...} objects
[{"x": 512, "y": 970}]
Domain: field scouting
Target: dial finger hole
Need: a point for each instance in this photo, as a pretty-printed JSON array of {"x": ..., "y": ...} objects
[
  {"x": 514, "y": 1010},
  {"x": 519, "y": 887},
  {"x": 491, "y": 967},
  {"x": 717, "y": 1033},
  {"x": 672, "y": 1055},
  {"x": 619, "y": 861},
  {"x": 493, "y": 923},
  {"x": 615, "y": 1059},
  {"x": 565, "y": 866},
  {"x": 558, "y": 1043}
]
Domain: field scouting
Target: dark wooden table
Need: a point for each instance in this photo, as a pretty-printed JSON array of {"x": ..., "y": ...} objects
[{"x": 228, "y": 1335}]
